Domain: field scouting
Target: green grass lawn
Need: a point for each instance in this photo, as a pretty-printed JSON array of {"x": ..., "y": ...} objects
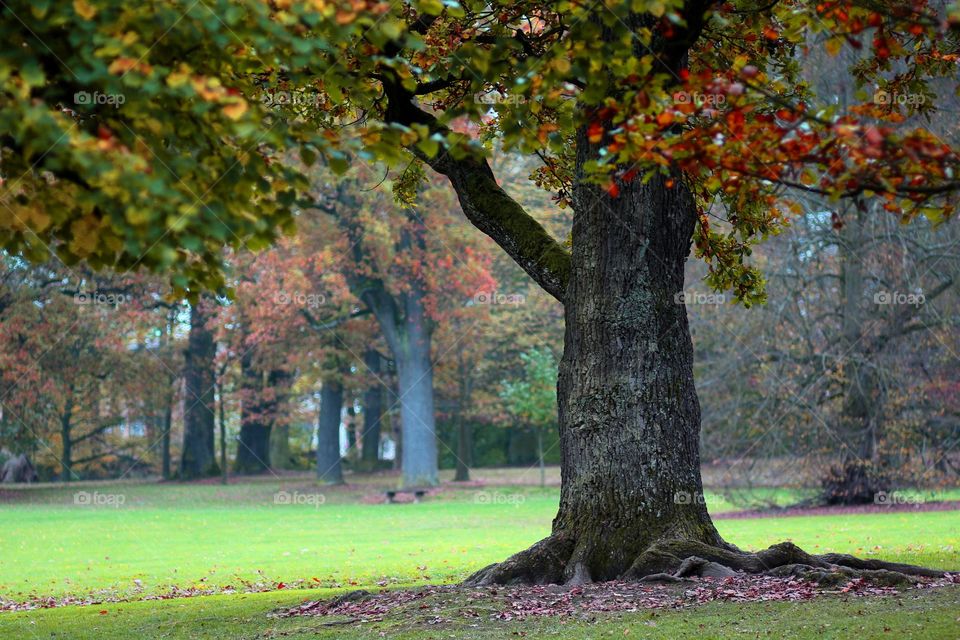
[
  {"x": 212, "y": 535},
  {"x": 209, "y": 535}
]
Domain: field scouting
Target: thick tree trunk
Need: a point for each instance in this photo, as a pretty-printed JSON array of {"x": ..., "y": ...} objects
[
  {"x": 253, "y": 443},
  {"x": 629, "y": 413},
  {"x": 628, "y": 409},
  {"x": 372, "y": 410},
  {"x": 198, "y": 459},
  {"x": 328, "y": 433}
]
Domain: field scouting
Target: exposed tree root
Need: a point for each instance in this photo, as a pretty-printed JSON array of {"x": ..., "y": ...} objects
[{"x": 559, "y": 560}]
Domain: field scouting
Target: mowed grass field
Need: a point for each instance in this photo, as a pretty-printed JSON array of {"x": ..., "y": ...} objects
[
  {"x": 295, "y": 532},
  {"x": 301, "y": 534}
]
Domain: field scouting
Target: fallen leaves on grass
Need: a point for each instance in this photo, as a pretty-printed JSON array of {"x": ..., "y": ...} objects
[{"x": 518, "y": 603}]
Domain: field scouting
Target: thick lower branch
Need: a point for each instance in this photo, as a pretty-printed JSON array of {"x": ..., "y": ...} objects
[{"x": 485, "y": 204}]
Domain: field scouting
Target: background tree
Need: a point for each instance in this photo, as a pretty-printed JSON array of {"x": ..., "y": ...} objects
[
  {"x": 198, "y": 459},
  {"x": 533, "y": 398}
]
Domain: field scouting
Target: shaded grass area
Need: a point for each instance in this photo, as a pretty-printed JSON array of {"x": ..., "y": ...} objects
[
  {"x": 207, "y": 535},
  {"x": 912, "y": 614}
]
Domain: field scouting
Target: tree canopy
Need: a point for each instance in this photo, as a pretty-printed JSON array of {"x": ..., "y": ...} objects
[{"x": 154, "y": 135}]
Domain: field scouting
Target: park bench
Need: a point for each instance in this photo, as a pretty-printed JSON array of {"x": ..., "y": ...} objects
[{"x": 393, "y": 493}]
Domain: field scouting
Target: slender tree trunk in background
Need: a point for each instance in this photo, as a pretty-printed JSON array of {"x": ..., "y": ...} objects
[
  {"x": 415, "y": 378},
  {"x": 253, "y": 444},
  {"x": 198, "y": 459},
  {"x": 409, "y": 337},
  {"x": 464, "y": 435},
  {"x": 280, "y": 382},
  {"x": 169, "y": 396},
  {"x": 464, "y": 449},
  {"x": 396, "y": 429},
  {"x": 66, "y": 427},
  {"x": 408, "y": 332},
  {"x": 353, "y": 451},
  {"x": 543, "y": 466},
  {"x": 372, "y": 409},
  {"x": 281, "y": 456},
  {"x": 860, "y": 476},
  {"x": 167, "y": 426},
  {"x": 329, "y": 468},
  {"x": 224, "y": 475}
]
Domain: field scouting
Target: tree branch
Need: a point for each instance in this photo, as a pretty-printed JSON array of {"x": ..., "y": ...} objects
[{"x": 484, "y": 203}]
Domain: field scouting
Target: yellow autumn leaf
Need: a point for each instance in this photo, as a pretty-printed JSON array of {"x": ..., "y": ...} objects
[
  {"x": 236, "y": 109},
  {"x": 179, "y": 77},
  {"x": 38, "y": 219},
  {"x": 84, "y": 236},
  {"x": 84, "y": 9},
  {"x": 122, "y": 65},
  {"x": 833, "y": 46}
]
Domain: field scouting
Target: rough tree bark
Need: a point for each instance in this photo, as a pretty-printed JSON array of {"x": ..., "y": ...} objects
[
  {"x": 198, "y": 459},
  {"x": 329, "y": 469}
]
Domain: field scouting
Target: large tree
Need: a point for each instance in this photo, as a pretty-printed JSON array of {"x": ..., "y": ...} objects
[{"x": 645, "y": 114}]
